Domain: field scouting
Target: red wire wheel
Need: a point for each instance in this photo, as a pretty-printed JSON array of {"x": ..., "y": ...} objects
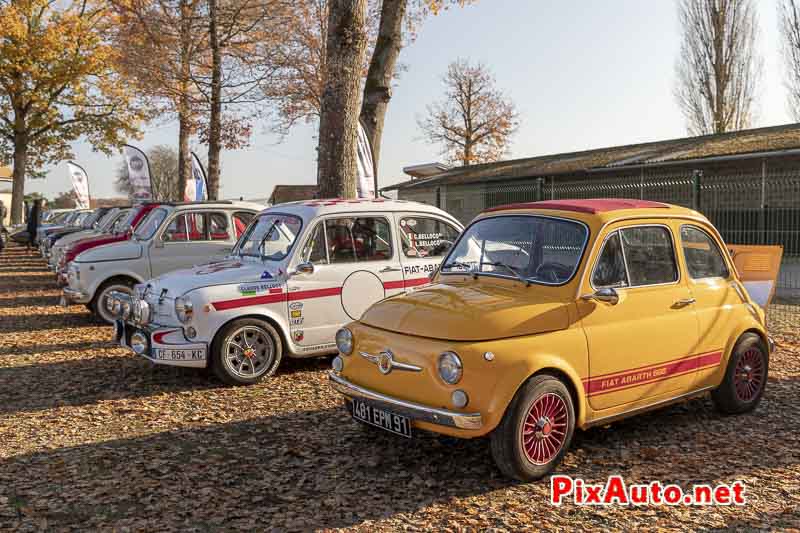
[
  {"x": 545, "y": 428},
  {"x": 748, "y": 378}
]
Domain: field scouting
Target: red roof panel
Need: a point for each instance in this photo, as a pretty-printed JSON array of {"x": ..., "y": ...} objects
[{"x": 591, "y": 205}]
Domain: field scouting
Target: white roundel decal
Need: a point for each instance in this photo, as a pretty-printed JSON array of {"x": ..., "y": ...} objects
[{"x": 360, "y": 290}]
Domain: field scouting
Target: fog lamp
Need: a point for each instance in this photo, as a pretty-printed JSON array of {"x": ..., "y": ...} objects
[
  {"x": 191, "y": 333},
  {"x": 139, "y": 342},
  {"x": 338, "y": 364}
]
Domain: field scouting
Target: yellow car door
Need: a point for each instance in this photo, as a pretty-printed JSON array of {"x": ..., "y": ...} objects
[{"x": 644, "y": 345}]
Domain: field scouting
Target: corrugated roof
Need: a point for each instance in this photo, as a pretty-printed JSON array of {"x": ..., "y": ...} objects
[{"x": 772, "y": 139}]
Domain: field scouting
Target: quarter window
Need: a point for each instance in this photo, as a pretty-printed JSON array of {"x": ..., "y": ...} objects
[
  {"x": 359, "y": 239},
  {"x": 649, "y": 255},
  {"x": 426, "y": 237},
  {"x": 241, "y": 220},
  {"x": 610, "y": 270},
  {"x": 703, "y": 256}
]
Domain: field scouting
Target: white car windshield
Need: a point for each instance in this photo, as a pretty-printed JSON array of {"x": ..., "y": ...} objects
[
  {"x": 271, "y": 237},
  {"x": 531, "y": 248},
  {"x": 150, "y": 224}
]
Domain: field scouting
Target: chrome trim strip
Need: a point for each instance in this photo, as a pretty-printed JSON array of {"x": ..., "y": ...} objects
[
  {"x": 391, "y": 363},
  {"x": 415, "y": 411},
  {"x": 648, "y": 407}
]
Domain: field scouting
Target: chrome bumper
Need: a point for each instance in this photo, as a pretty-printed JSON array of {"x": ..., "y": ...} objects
[
  {"x": 414, "y": 411},
  {"x": 71, "y": 295}
]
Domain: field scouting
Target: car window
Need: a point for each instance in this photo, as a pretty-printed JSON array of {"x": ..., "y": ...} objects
[
  {"x": 218, "y": 228},
  {"x": 649, "y": 255},
  {"x": 315, "y": 250},
  {"x": 241, "y": 220},
  {"x": 271, "y": 237},
  {"x": 351, "y": 240},
  {"x": 610, "y": 268},
  {"x": 426, "y": 237},
  {"x": 196, "y": 226},
  {"x": 703, "y": 256},
  {"x": 176, "y": 230}
]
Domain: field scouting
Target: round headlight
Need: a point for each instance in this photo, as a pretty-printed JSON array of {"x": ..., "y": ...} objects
[
  {"x": 450, "y": 368},
  {"x": 139, "y": 342},
  {"x": 344, "y": 341},
  {"x": 126, "y": 309},
  {"x": 183, "y": 308},
  {"x": 338, "y": 364}
]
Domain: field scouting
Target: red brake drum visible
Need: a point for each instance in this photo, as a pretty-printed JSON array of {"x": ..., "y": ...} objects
[{"x": 360, "y": 290}]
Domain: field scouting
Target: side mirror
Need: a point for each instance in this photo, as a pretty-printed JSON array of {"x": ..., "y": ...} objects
[
  {"x": 305, "y": 268},
  {"x": 608, "y": 295}
]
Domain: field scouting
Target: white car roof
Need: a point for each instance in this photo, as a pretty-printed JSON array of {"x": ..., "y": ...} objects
[
  {"x": 309, "y": 209},
  {"x": 216, "y": 205}
]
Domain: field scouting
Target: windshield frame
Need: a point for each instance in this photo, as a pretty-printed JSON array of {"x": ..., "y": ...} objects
[
  {"x": 507, "y": 275},
  {"x": 237, "y": 249}
]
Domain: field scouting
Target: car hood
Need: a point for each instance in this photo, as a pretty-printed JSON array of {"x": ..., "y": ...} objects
[
  {"x": 69, "y": 239},
  {"x": 471, "y": 311},
  {"x": 227, "y": 272},
  {"x": 118, "y": 251}
]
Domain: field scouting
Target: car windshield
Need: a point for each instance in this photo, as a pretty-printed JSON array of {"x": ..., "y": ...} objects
[
  {"x": 271, "y": 237},
  {"x": 93, "y": 217},
  {"x": 78, "y": 220},
  {"x": 127, "y": 223},
  {"x": 535, "y": 249},
  {"x": 119, "y": 221},
  {"x": 150, "y": 224}
]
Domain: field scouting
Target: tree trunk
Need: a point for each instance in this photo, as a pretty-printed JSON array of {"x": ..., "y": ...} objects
[
  {"x": 378, "y": 86},
  {"x": 337, "y": 166},
  {"x": 184, "y": 108},
  {"x": 214, "y": 130},
  {"x": 20, "y": 167}
]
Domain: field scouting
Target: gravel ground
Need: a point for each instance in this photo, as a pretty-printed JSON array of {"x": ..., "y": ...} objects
[{"x": 94, "y": 438}]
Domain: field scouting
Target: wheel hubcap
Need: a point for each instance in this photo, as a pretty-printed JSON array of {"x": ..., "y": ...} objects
[
  {"x": 749, "y": 375},
  {"x": 249, "y": 352},
  {"x": 545, "y": 428}
]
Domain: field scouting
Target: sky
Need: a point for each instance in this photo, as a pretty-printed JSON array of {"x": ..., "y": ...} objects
[{"x": 583, "y": 74}]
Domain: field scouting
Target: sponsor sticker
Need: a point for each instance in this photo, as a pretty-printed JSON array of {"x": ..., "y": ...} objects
[
  {"x": 266, "y": 275},
  {"x": 296, "y": 322},
  {"x": 419, "y": 269},
  {"x": 296, "y": 313},
  {"x": 294, "y": 306},
  {"x": 251, "y": 289}
]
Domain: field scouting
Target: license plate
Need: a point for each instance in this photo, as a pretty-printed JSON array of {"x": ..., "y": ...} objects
[
  {"x": 177, "y": 354},
  {"x": 394, "y": 423}
]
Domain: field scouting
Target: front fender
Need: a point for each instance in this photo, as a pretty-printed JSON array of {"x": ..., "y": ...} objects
[{"x": 563, "y": 353}]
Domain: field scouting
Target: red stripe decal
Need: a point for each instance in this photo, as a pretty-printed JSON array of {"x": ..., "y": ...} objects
[
  {"x": 405, "y": 284},
  {"x": 389, "y": 285},
  {"x": 618, "y": 381},
  {"x": 417, "y": 282},
  {"x": 158, "y": 338},
  {"x": 224, "y": 305},
  {"x": 315, "y": 293}
]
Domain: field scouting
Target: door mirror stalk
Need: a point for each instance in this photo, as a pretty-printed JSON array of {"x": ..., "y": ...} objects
[
  {"x": 304, "y": 268},
  {"x": 607, "y": 295}
]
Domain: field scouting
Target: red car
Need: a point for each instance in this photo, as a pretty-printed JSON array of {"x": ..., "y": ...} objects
[{"x": 136, "y": 215}]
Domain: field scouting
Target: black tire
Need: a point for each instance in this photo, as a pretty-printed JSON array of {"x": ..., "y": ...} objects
[
  {"x": 745, "y": 378},
  {"x": 97, "y": 305},
  {"x": 507, "y": 446},
  {"x": 264, "y": 361}
]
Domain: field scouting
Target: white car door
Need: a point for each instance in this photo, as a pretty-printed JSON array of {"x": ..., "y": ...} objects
[
  {"x": 424, "y": 241},
  {"x": 191, "y": 238},
  {"x": 355, "y": 264}
]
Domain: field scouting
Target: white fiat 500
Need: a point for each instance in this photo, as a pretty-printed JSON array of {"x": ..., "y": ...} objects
[
  {"x": 300, "y": 271},
  {"x": 171, "y": 237}
]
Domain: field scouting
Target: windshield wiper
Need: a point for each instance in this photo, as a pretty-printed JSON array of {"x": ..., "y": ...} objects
[{"x": 511, "y": 269}]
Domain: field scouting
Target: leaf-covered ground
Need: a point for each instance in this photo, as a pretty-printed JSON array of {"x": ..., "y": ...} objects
[{"x": 92, "y": 437}]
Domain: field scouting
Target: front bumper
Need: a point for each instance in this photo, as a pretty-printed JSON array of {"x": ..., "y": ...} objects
[
  {"x": 414, "y": 411},
  {"x": 165, "y": 345},
  {"x": 73, "y": 296}
]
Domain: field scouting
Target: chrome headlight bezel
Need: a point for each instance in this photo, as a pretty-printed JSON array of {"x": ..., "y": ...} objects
[
  {"x": 450, "y": 368},
  {"x": 344, "y": 341},
  {"x": 184, "y": 309}
]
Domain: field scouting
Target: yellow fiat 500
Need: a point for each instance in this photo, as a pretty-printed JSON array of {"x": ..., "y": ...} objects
[{"x": 553, "y": 315}]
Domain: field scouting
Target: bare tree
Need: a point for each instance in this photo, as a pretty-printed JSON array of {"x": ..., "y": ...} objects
[
  {"x": 475, "y": 121},
  {"x": 789, "y": 19},
  {"x": 719, "y": 66},
  {"x": 346, "y": 47}
]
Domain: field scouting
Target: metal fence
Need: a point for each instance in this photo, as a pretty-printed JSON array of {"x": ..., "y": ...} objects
[{"x": 755, "y": 206}]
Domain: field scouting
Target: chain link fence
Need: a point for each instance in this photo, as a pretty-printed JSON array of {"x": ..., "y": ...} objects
[{"x": 751, "y": 206}]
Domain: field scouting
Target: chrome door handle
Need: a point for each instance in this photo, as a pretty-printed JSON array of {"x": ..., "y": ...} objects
[
  {"x": 684, "y": 302},
  {"x": 389, "y": 269}
]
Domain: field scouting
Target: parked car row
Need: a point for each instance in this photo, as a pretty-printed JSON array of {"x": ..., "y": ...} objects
[{"x": 535, "y": 320}]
